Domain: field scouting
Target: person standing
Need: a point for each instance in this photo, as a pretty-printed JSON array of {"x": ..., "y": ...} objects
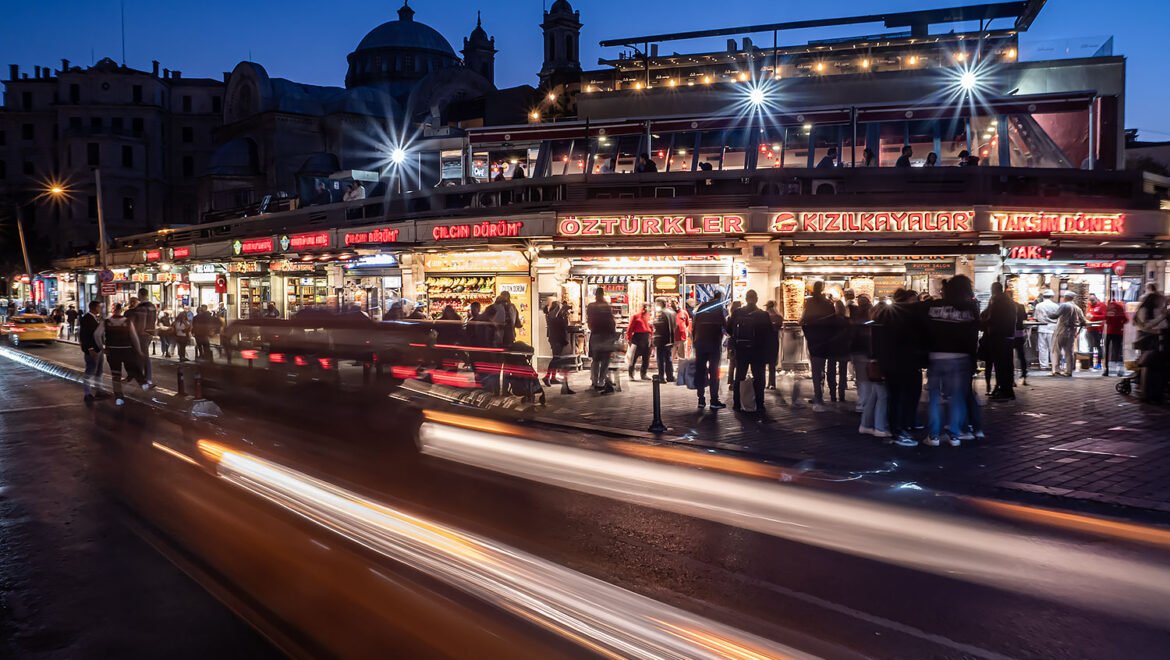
[
  {"x": 751, "y": 331},
  {"x": 952, "y": 338},
  {"x": 664, "y": 330},
  {"x": 904, "y": 159},
  {"x": 203, "y": 327},
  {"x": 707, "y": 336},
  {"x": 999, "y": 323},
  {"x": 506, "y": 318},
  {"x": 902, "y": 327},
  {"x": 1069, "y": 321},
  {"x": 271, "y": 312},
  {"x": 120, "y": 339},
  {"x": 602, "y": 335},
  {"x": 682, "y": 330},
  {"x": 71, "y": 319},
  {"x": 1045, "y": 315},
  {"x": 638, "y": 334},
  {"x": 1020, "y": 342},
  {"x": 145, "y": 318},
  {"x": 88, "y": 338},
  {"x": 1152, "y": 323},
  {"x": 181, "y": 329},
  {"x": 1095, "y": 311},
  {"x": 165, "y": 334},
  {"x": 556, "y": 317},
  {"x": 859, "y": 343},
  {"x": 880, "y": 358},
  {"x": 730, "y": 345},
  {"x": 1115, "y": 320},
  {"x": 773, "y": 357},
  {"x": 818, "y": 322},
  {"x": 838, "y": 363}
]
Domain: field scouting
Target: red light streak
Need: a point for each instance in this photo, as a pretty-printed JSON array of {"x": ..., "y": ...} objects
[{"x": 276, "y": 358}]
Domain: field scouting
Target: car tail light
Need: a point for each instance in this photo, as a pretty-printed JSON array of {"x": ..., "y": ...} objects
[
  {"x": 326, "y": 363},
  {"x": 249, "y": 354},
  {"x": 276, "y": 358}
]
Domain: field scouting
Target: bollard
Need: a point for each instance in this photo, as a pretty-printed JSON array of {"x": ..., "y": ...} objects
[
  {"x": 182, "y": 388},
  {"x": 657, "y": 426},
  {"x": 198, "y": 385}
]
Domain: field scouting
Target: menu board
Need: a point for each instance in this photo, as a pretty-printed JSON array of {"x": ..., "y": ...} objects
[{"x": 517, "y": 287}]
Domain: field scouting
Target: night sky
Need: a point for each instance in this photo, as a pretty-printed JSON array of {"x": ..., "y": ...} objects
[{"x": 307, "y": 41}]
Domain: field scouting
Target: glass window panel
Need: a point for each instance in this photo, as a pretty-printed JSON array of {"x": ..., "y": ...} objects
[
  {"x": 893, "y": 138},
  {"x": 682, "y": 152},
  {"x": 711, "y": 149},
  {"x": 481, "y": 166},
  {"x": 796, "y": 141},
  {"x": 825, "y": 138},
  {"x": 735, "y": 146},
  {"x": 770, "y": 152}
]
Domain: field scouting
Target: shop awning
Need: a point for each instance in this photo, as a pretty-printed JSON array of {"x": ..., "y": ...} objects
[
  {"x": 885, "y": 250},
  {"x": 681, "y": 251}
]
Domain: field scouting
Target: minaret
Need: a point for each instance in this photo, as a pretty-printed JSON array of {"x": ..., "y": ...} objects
[
  {"x": 479, "y": 51},
  {"x": 562, "y": 40}
]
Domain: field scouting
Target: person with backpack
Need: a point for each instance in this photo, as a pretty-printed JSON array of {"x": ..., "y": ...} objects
[
  {"x": 120, "y": 339},
  {"x": 751, "y": 331}
]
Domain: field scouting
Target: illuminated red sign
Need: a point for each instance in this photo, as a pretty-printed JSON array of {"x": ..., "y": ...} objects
[
  {"x": 382, "y": 235},
  {"x": 873, "y": 222},
  {"x": 1039, "y": 222},
  {"x": 318, "y": 240},
  {"x": 1033, "y": 252},
  {"x": 1118, "y": 267},
  {"x": 254, "y": 245},
  {"x": 650, "y": 225},
  {"x": 152, "y": 255},
  {"x": 499, "y": 229},
  {"x": 182, "y": 252}
]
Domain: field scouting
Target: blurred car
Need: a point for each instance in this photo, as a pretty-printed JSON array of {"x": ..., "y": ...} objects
[{"x": 29, "y": 329}]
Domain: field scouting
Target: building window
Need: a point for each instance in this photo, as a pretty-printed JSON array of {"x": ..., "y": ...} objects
[
  {"x": 75, "y": 123},
  {"x": 216, "y": 104},
  {"x": 3, "y": 138},
  {"x": 3, "y": 170},
  {"x": 186, "y": 104},
  {"x": 95, "y": 123},
  {"x": 188, "y": 166},
  {"x": 75, "y": 94},
  {"x": 28, "y": 168},
  {"x": 92, "y": 155},
  {"x": 26, "y": 100},
  {"x": 188, "y": 135},
  {"x": 127, "y": 156},
  {"x": 27, "y": 132},
  {"x": 136, "y": 126},
  {"x": 116, "y": 124},
  {"x": 91, "y": 207},
  {"x": 128, "y": 208},
  {"x": 136, "y": 93}
]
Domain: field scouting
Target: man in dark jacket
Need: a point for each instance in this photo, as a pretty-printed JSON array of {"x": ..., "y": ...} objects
[
  {"x": 91, "y": 348},
  {"x": 952, "y": 339},
  {"x": 119, "y": 337},
  {"x": 145, "y": 318},
  {"x": 751, "y": 330},
  {"x": 707, "y": 337},
  {"x": 602, "y": 335},
  {"x": 999, "y": 324},
  {"x": 819, "y": 326},
  {"x": 665, "y": 324},
  {"x": 204, "y": 325}
]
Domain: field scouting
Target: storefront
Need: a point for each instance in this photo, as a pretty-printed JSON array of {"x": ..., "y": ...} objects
[
  {"x": 253, "y": 290},
  {"x": 207, "y": 285},
  {"x": 373, "y": 279}
]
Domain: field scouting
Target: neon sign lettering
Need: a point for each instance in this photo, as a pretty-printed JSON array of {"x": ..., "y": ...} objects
[
  {"x": 500, "y": 229},
  {"x": 314, "y": 241},
  {"x": 181, "y": 253},
  {"x": 650, "y": 225},
  {"x": 372, "y": 236},
  {"x": 1034, "y": 252},
  {"x": 254, "y": 246},
  {"x": 873, "y": 222},
  {"x": 152, "y": 255},
  {"x": 1039, "y": 222}
]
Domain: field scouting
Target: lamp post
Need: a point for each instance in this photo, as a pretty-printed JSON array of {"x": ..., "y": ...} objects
[{"x": 24, "y": 251}]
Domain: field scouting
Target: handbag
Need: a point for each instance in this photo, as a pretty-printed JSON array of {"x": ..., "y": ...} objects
[
  {"x": 873, "y": 372},
  {"x": 747, "y": 394}
]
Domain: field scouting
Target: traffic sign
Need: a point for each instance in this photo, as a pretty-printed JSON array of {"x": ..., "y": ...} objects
[
  {"x": 109, "y": 288},
  {"x": 106, "y": 275}
]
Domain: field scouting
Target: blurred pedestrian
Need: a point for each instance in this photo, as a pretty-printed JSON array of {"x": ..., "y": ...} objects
[
  {"x": 707, "y": 333},
  {"x": 506, "y": 318},
  {"x": 880, "y": 357},
  {"x": 145, "y": 318},
  {"x": 999, "y": 332},
  {"x": 1095, "y": 312},
  {"x": 664, "y": 331},
  {"x": 89, "y": 340},
  {"x": 952, "y": 337},
  {"x": 556, "y": 323},
  {"x": 119, "y": 337},
  {"x": 730, "y": 345},
  {"x": 682, "y": 329},
  {"x": 901, "y": 359},
  {"x": 773, "y": 357},
  {"x": 818, "y": 322},
  {"x": 1115, "y": 320},
  {"x": 639, "y": 333},
  {"x": 202, "y": 328},
  {"x": 165, "y": 333},
  {"x": 181, "y": 329},
  {"x": 1045, "y": 316},
  {"x": 751, "y": 332},
  {"x": 1069, "y": 321},
  {"x": 602, "y": 339},
  {"x": 450, "y": 327},
  {"x": 71, "y": 316},
  {"x": 859, "y": 344}
]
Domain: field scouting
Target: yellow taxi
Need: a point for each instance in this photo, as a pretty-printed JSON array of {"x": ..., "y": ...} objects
[{"x": 29, "y": 329}]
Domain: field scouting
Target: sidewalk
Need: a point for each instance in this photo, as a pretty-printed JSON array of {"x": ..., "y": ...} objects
[{"x": 1075, "y": 440}]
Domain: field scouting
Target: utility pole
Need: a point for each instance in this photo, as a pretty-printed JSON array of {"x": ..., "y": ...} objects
[
  {"x": 24, "y": 250},
  {"x": 102, "y": 251}
]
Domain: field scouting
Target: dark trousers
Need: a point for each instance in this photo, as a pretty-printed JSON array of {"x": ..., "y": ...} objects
[
  {"x": 1093, "y": 337},
  {"x": 182, "y": 342},
  {"x": 119, "y": 358},
  {"x": 1004, "y": 373},
  {"x": 1021, "y": 356},
  {"x": 1114, "y": 353},
  {"x": 203, "y": 349},
  {"x": 641, "y": 344},
  {"x": 662, "y": 347},
  {"x": 838, "y": 376},
  {"x": 707, "y": 371},
  {"x": 165, "y": 342},
  {"x": 773, "y": 361},
  {"x": 742, "y": 364},
  {"x": 905, "y": 389}
]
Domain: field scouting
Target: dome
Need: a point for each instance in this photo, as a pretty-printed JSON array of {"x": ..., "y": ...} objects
[
  {"x": 406, "y": 34},
  {"x": 561, "y": 7}
]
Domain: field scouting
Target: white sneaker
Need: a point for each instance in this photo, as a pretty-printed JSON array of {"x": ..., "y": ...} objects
[
  {"x": 865, "y": 430},
  {"x": 882, "y": 434},
  {"x": 980, "y": 436},
  {"x": 147, "y": 386},
  {"x": 119, "y": 401},
  {"x": 966, "y": 435},
  {"x": 955, "y": 442},
  {"x": 930, "y": 441},
  {"x": 906, "y": 441},
  {"x": 819, "y": 407}
]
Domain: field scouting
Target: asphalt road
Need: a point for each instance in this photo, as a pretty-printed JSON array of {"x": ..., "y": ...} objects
[{"x": 825, "y": 602}]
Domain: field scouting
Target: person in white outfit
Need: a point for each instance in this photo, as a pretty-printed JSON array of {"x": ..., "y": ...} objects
[
  {"x": 1069, "y": 321},
  {"x": 1045, "y": 315}
]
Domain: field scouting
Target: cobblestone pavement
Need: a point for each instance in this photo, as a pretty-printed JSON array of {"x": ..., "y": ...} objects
[{"x": 1069, "y": 441}]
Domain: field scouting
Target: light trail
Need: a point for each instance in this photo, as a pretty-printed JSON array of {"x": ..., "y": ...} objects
[
  {"x": 945, "y": 545},
  {"x": 601, "y": 617}
]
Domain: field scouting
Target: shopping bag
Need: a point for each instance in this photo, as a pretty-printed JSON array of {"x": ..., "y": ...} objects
[
  {"x": 747, "y": 395},
  {"x": 686, "y": 374}
]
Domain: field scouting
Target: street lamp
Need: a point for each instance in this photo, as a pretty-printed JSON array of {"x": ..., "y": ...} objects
[{"x": 398, "y": 155}]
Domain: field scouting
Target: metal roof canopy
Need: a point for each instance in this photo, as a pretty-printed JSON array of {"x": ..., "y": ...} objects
[{"x": 1024, "y": 11}]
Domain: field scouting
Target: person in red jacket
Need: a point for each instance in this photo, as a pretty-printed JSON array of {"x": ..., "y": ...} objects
[
  {"x": 682, "y": 329},
  {"x": 1095, "y": 311},
  {"x": 638, "y": 334},
  {"x": 1115, "y": 320}
]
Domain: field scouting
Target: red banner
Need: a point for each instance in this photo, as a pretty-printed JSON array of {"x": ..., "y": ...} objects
[
  {"x": 182, "y": 252},
  {"x": 382, "y": 235},
  {"x": 318, "y": 240}
]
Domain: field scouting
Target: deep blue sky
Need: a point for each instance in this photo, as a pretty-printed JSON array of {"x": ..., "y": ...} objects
[{"x": 307, "y": 40}]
